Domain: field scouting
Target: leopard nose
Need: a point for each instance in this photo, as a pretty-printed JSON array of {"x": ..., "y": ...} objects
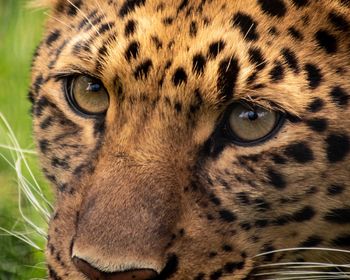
[{"x": 94, "y": 274}]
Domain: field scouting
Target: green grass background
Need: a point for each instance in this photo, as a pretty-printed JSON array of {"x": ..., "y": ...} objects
[{"x": 20, "y": 32}]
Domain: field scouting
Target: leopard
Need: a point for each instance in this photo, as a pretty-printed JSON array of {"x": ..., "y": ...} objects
[{"x": 195, "y": 139}]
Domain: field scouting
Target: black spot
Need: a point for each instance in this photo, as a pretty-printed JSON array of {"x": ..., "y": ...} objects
[
  {"x": 130, "y": 28},
  {"x": 179, "y": 76},
  {"x": 273, "y": 31},
  {"x": 227, "y": 248},
  {"x": 342, "y": 241},
  {"x": 339, "y": 216},
  {"x": 47, "y": 122},
  {"x": 243, "y": 197},
  {"x": 252, "y": 78},
  {"x": 278, "y": 159},
  {"x": 318, "y": 125},
  {"x": 256, "y": 57},
  {"x": 30, "y": 97},
  {"x": 170, "y": 268},
  {"x": 178, "y": 107},
  {"x": 337, "y": 147},
  {"x": 339, "y": 22},
  {"x": 316, "y": 105},
  {"x": 53, "y": 274},
  {"x": 59, "y": 163},
  {"x": 216, "y": 275},
  {"x": 39, "y": 80},
  {"x": 83, "y": 23},
  {"x": 132, "y": 51},
  {"x": 193, "y": 29},
  {"x": 198, "y": 64},
  {"x": 105, "y": 27},
  {"x": 215, "y": 48},
  {"x": 214, "y": 199},
  {"x": 314, "y": 75},
  {"x": 157, "y": 42},
  {"x": 245, "y": 226},
  {"x": 183, "y": 5},
  {"x": 73, "y": 7},
  {"x": 206, "y": 21},
  {"x": 339, "y": 96},
  {"x": 168, "y": 20},
  {"x": 273, "y": 7},
  {"x": 227, "y": 77},
  {"x": 268, "y": 248},
  {"x": 99, "y": 127},
  {"x": 304, "y": 214},
  {"x": 230, "y": 267},
  {"x": 335, "y": 189},
  {"x": 40, "y": 105},
  {"x": 312, "y": 241},
  {"x": 54, "y": 35},
  {"x": 261, "y": 223},
  {"x": 326, "y": 40},
  {"x": 143, "y": 69},
  {"x": 200, "y": 276},
  {"x": 291, "y": 59},
  {"x": 246, "y": 25},
  {"x": 300, "y": 3},
  {"x": 198, "y": 101},
  {"x": 277, "y": 72},
  {"x": 282, "y": 220},
  {"x": 295, "y": 33},
  {"x": 276, "y": 179},
  {"x": 43, "y": 145},
  {"x": 262, "y": 204},
  {"x": 129, "y": 6},
  {"x": 227, "y": 216},
  {"x": 102, "y": 51}
]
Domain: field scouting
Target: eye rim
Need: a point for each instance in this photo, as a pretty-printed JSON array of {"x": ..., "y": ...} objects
[
  {"x": 68, "y": 83},
  {"x": 235, "y": 139}
]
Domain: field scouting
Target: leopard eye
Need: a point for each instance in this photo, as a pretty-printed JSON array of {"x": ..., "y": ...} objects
[
  {"x": 87, "y": 95},
  {"x": 248, "y": 125}
]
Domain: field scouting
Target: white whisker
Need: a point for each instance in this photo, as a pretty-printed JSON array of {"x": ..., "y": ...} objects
[
  {"x": 56, "y": 19},
  {"x": 310, "y": 278},
  {"x": 28, "y": 189},
  {"x": 304, "y": 265},
  {"x": 103, "y": 12},
  {"x": 85, "y": 16},
  {"x": 302, "y": 249}
]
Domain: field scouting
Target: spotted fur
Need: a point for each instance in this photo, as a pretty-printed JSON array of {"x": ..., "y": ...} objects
[{"x": 155, "y": 184}]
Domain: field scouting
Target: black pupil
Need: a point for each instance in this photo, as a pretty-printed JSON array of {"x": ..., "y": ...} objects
[
  {"x": 252, "y": 115},
  {"x": 95, "y": 87}
]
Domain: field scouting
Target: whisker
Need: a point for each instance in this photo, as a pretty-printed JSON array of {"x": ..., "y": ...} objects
[
  {"x": 301, "y": 272},
  {"x": 25, "y": 151},
  {"x": 56, "y": 19},
  {"x": 304, "y": 265},
  {"x": 309, "y": 278},
  {"x": 85, "y": 16},
  {"x": 247, "y": 33},
  {"x": 103, "y": 12},
  {"x": 302, "y": 249}
]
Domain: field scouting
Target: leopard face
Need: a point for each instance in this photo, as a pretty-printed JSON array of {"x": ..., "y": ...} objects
[{"x": 195, "y": 139}]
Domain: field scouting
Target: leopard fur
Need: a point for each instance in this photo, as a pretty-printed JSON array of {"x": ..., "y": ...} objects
[{"x": 154, "y": 183}]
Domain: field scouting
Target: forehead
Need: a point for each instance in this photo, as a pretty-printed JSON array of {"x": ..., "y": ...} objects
[{"x": 232, "y": 49}]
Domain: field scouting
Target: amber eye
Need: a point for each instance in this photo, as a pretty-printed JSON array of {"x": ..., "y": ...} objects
[
  {"x": 87, "y": 95},
  {"x": 252, "y": 124}
]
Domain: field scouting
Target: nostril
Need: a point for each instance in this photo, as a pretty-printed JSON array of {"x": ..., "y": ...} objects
[{"x": 94, "y": 274}]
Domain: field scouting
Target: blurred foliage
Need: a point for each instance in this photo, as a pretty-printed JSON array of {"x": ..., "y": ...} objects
[{"x": 20, "y": 32}]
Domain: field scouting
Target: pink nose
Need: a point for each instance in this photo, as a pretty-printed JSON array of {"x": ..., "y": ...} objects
[{"x": 95, "y": 274}]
